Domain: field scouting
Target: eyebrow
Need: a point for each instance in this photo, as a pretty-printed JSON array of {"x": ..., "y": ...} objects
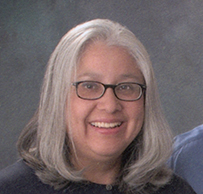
[
  {"x": 122, "y": 76},
  {"x": 91, "y": 75},
  {"x": 129, "y": 76}
]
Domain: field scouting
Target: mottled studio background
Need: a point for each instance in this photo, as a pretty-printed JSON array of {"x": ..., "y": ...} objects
[{"x": 171, "y": 30}]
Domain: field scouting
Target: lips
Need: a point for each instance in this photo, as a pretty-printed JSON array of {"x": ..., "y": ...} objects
[{"x": 106, "y": 125}]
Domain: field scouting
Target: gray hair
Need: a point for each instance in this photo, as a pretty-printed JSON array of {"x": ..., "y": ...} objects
[{"x": 44, "y": 142}]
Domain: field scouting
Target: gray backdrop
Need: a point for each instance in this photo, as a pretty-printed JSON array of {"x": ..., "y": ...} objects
[{"x": 171, "y": 30}]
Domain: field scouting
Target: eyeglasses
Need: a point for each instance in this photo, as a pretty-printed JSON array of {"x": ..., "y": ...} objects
[{"x": 93, "y": 90}]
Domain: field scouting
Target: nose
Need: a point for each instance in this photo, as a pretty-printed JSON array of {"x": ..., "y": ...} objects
[{"x": 109, "y": 102}]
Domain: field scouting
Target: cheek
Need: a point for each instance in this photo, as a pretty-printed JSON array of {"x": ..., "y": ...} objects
[
  {"x": 79, "y": 111},
  {"x": 136, "y": 114},
  {"x": 136, "y": 109}
]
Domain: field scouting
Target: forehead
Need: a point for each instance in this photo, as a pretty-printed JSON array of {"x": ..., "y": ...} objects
[{"x": 100, "y": 59}]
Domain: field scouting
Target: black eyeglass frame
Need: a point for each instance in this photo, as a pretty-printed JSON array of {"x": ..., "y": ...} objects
[{"x": 112, "y": 86}]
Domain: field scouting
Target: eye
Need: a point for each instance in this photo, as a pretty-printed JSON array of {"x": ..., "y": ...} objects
[
  {"x": 89, "y": 85},
  {"x": 125, "y": 87}
]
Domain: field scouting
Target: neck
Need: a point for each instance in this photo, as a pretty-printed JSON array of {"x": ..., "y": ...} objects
[{"x": 100, "y": 172}]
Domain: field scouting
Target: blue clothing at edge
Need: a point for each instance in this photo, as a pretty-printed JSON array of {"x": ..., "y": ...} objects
[{"x": 187, "y": 158}]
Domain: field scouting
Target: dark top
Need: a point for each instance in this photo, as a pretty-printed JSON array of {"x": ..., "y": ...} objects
[
  {"x": 21, "y": 179},
  {"x": 187, "y": 158}
]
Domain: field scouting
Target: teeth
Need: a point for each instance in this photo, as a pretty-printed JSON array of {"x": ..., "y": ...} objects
[{"x": 106, "y": 125}]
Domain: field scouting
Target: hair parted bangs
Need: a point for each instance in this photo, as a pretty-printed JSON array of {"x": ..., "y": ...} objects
[{"x": 44, "y": 142}]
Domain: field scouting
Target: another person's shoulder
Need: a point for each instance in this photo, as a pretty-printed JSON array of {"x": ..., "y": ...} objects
[
  {"x": 188, "y": 148},
  {"x": 186, "y": 160},
  {"x": 20, "y": 178},
  {"x": 190, "y": 138},
  {"x": 176, "y": 186}
]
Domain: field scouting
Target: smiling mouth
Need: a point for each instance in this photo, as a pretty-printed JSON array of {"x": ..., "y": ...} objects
[{"x": 106, "y": 125}]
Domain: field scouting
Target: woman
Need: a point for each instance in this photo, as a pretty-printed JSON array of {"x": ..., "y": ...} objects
[{"x": 98, "y": 128}]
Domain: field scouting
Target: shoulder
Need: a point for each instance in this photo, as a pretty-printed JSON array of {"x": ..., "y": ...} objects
[
  {"x": 15, "y": 173},
  {"x": 188, "y": 147},
  {"x": 20, "y": 178},
  {"x": 176, "y": 186},
  {"x": 187, "y": 157},
  {"x": 191, "y": 138},
  {"x": 17, "y": 169}
]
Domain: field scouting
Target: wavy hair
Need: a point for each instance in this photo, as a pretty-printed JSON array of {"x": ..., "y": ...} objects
[{"x": 44, "y": 143}]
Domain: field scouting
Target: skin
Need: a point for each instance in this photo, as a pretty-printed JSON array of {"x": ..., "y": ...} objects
[{"x": 99, "y": 149}]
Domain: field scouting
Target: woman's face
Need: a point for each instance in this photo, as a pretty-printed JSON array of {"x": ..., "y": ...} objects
[{"x": 103, "y": 128}]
